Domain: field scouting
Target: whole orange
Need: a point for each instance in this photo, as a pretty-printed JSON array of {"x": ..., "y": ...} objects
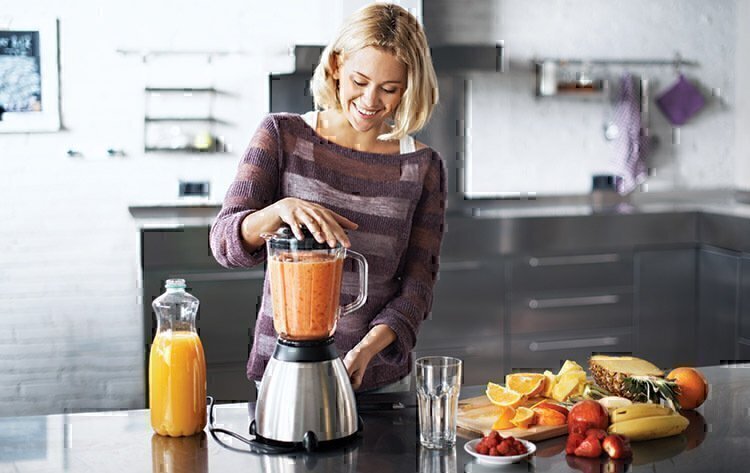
[{"x": 693, "y": 388}]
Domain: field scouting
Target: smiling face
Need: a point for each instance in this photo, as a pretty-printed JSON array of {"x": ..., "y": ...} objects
[{"x": 371, "y": 84}]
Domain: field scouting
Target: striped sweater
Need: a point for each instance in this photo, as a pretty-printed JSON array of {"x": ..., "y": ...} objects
[{"x": 398, "y": 200}]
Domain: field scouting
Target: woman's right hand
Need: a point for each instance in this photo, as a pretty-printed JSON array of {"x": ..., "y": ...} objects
[{"x": 325, "y": 225}]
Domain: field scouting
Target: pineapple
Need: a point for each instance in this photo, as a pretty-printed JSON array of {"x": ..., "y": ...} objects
[{"x": 631, "y": 378}]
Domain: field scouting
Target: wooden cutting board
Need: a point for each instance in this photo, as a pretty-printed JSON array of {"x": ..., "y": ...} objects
[{"x": 477, "y": 414}]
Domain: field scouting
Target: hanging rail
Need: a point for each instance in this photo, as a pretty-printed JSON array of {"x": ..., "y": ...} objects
[{"x": 677, "y": 62}]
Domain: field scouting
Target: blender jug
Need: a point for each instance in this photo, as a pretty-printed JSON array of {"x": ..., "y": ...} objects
[{"x": 305, "y": 278}]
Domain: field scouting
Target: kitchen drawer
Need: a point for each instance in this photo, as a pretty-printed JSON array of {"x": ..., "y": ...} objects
[
  {"x": 581, "y": 310},
  {"x": 176, "y": 248},
  {"x": 549, "y": 351},
  {"x": 552, "y": 273}
]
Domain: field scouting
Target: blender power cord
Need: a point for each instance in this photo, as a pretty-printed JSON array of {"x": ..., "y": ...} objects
[{"x": 255, "y": 447}]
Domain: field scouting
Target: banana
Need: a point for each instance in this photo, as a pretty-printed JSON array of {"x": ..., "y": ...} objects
[
  {"x": 647, "y": 428},
  {"x": 636, "y": 411}
]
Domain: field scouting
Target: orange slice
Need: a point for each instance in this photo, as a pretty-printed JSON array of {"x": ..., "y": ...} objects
[
  {"x": 549, "y": 416},
  {"x": 528, "y": 384},
  {"x": 503, "y": 421},
  {"x": 501, "y": 396},
  {"x": 524, "y": 418}
]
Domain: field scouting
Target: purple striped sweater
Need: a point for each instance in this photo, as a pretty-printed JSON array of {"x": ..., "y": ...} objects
[{"x": 398, "y": 200}]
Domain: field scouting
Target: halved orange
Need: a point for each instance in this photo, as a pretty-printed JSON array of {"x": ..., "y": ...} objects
[
  {"x": 528, "y": 384},
  {"x": 501, "y": 396},
  {"x": 503, "y": 421},
  {"x": 524, "y": 418}
]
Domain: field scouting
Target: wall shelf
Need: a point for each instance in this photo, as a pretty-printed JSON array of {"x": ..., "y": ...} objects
[
  {"x": 186, "y": 119},
  {"x": 216, "y": 148},
  {"x": 181, "y": 120}
]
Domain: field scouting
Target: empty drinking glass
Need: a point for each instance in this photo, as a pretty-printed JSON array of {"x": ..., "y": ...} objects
[{"x": 438, "y": 387}]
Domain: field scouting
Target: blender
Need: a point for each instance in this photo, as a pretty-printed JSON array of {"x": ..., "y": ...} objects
[{"x": 306, "y": 398}]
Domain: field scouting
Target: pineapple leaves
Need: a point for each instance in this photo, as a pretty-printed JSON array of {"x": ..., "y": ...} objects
[{"x": 652, "y": 389}]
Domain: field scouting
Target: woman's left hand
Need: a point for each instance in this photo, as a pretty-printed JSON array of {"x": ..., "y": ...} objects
[{"x": 356, "y": 362}]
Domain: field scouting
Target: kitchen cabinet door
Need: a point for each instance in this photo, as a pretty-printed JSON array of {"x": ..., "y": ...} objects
[
  {"x": 226, "y": 321},
  {"x": 718, "y": 280},
  {"x": 467, "y": 317},
  {"x": 745, "y": 298},
  {"x": 666, "y": 296}
]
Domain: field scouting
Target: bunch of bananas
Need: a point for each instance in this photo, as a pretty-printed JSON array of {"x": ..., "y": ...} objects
[{"x": 646, "y": 421}]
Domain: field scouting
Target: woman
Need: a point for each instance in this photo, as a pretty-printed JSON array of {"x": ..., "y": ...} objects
[{"x": 352, "y": 167}]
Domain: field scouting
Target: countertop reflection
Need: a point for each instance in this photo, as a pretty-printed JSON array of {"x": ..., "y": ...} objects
[{"x": 717, "y": 440}]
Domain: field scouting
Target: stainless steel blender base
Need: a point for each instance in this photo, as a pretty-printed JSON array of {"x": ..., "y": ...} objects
[{"x": 297, "y": 398}]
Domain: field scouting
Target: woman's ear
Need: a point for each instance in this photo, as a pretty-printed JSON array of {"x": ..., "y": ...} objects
[{"x": 335, "y": 63}]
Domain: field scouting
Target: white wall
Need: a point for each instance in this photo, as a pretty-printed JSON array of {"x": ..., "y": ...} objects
[
  {"x": 553, "y": 145},
  {"x": 742, "y": 103},
  {"x": 71, "y": 335}
]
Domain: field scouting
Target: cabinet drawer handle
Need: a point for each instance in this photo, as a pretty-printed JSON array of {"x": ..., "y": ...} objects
[
  {"x": 569, "y": 344},
  {"x": 535, "y": 262},
  {"x": 573, "y": 301},
  {"x": 225, "y": 276},
  {"x": 460, "y": 266}
]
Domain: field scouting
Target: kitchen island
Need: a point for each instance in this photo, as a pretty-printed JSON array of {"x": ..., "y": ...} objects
[{"x": 718, "y": 440}]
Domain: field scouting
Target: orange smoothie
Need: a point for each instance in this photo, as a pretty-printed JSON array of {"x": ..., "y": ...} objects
[
  {"x": 305, "y": 294},
  {"x": 177, "y": 384}
]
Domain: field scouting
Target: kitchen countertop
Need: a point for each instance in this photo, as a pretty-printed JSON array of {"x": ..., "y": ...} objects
[
  {"x": 201, "y": 212},
  {"x": 718, "y": 440}
]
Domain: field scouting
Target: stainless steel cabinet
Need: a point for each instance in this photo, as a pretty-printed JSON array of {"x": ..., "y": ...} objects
[
  {"x": 568, "y": 306},
  {"x": 718, "y": 279},
  {"x": 467, "y": 317},
  {"x": 666, "y": 316},
  {"x": 743, "y": 341}
]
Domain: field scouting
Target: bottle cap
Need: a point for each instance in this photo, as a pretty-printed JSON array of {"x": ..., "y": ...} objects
[{"x": 175, "y": 284}]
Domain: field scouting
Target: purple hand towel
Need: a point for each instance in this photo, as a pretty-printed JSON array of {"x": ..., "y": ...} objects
[
  {"x": 681, "y": 101},
  {"x": 631, "y": 145}
]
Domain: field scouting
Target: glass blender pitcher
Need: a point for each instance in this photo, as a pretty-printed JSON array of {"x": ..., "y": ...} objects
[
  {"x": 306, "y": 399},
  {"x": 305, "y": 278}
]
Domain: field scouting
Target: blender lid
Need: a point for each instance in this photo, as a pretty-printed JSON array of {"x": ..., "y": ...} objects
[{"x": 284, "y": 239}]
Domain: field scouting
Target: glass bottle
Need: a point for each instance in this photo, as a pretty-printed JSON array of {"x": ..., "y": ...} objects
[{"x": 177, "y": 365}]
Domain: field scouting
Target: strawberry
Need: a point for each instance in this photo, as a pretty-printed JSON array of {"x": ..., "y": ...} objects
[
  {"x": 574, "y": 440},
  {"x": 589, "y": 448}
]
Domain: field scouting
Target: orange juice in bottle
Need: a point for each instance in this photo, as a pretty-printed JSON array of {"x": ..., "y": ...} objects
[{"x": 177, "y": 365}]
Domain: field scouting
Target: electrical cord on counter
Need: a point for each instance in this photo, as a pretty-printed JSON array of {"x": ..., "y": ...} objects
[{"x": 255, "y": 447}]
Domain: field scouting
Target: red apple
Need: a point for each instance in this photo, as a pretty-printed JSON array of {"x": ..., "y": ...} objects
[{"x": 586, "y": 415}]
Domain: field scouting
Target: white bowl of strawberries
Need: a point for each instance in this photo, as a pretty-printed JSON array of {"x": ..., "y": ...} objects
[{"x": 494, "y": 449}]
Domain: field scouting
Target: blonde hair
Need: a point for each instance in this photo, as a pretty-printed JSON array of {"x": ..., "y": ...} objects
[{"x": 392, "y": 29}]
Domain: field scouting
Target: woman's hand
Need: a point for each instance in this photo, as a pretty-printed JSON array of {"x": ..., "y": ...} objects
[
  {"x": 324, "y": 224},
  {"x": 356, "y": 362}
]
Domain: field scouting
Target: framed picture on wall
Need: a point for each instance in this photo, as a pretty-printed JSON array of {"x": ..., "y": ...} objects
[{"x": 29, "y": 76}]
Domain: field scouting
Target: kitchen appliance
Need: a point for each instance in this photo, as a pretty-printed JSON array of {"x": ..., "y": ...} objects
[{"x": 306, "y": 398}]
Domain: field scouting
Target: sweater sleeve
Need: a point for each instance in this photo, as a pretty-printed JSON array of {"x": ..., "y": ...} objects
[
  {"x": 405, "y": 312},
  {"x": 255, "y": 186}
]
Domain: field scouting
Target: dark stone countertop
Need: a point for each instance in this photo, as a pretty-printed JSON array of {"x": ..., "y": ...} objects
[{"x": 718, "y": 440}]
